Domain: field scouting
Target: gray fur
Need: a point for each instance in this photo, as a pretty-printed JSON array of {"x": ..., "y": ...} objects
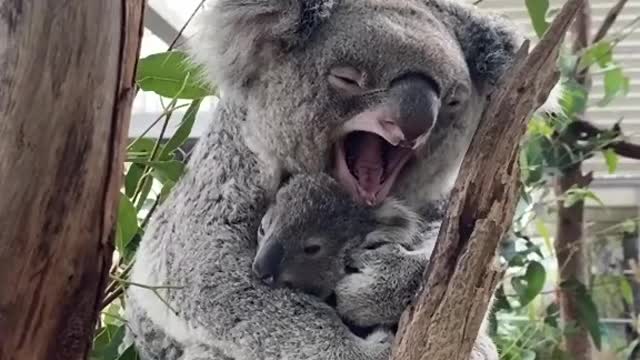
[
  {"x": 313, "y": 211},
  {"x": 278, "y": 115}
]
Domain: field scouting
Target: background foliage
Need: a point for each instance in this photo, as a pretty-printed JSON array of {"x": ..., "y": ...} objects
[{"x": 525, "y": 323}]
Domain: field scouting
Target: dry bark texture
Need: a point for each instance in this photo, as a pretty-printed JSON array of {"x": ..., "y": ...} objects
[
  {"x": 66, "y": 78},
  {"x": 462, "y": 276}
]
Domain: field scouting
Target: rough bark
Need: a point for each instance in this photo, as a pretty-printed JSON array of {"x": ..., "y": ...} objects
[
  {"x": 462, "y": 276},
  {"x": 570, "y": 255},
  {"x": 630, "y": 256},
  {"x": 66, "y": 79},
  {"x": 569, "y": 244}
]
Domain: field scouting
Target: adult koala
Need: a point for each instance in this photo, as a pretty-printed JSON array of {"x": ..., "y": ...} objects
[{"x": 383, "y": 94}]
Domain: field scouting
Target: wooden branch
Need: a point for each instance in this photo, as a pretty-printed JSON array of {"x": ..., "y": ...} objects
[
  {"x": 443, "y": 322},
  {"x": 620, "y": 147},
  {"x": 609, "y": 20},
  {"x": 65, "y": 99}
]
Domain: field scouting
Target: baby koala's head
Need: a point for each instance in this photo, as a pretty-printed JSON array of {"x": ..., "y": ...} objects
[{"x": 307, "y": 232}]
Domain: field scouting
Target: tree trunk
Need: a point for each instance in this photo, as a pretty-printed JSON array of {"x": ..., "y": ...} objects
[
  {"x": 569, "y": 244},
  {"x": 630, "y": 255},
  {"x": 570, "y": 255},
  {"x": 444, "y": 321},
  {"x": 66, "y": 84}
]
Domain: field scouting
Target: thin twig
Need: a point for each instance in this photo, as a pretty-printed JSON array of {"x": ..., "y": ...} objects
[
  {"x": 184, "y": 26},
  {"x": 148, "y": 287},
  {"x": 111, "y": 297},
  {"x": 609, "y": 20}
]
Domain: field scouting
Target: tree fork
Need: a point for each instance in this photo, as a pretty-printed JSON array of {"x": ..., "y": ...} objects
[
  {"x": 462, "y": 275},
  {"x": 66, "y": 89}
]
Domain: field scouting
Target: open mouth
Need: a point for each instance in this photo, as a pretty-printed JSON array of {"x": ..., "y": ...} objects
[{"x": 367, "y": 164}]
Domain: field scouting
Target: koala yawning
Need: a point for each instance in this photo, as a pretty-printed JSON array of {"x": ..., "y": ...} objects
[{"x": 383, "y": 95}]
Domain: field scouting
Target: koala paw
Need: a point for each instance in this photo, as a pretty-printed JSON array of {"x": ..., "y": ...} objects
[
  {"x": 380, "y": 335},
  {"x": 484, "y": 349},
  {"x": 385, "y": 281},
  {"x": 377, "y": 345}
]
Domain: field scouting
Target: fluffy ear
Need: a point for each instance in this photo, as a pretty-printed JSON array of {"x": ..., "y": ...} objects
[
  {"x": 393, "y": 214},
  {"x": 236, "y": 38},
  {"x": 489, "y": 42}
]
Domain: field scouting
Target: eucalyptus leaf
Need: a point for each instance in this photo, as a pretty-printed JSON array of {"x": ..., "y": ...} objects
[
  {"x": 611, "y": 158},
  {"x": 538, "y": 14},
  {"x": 172, "y": 75},
  {"x": 530, "y": 284},
  {"x": 184, "y": 130},
  {"x": 626, "y": 291},
  {"x": 127, "y": 222},
  {"x": 587, "y": 312},
  {"x": 616, "y": 84},
  {"x": 106, "y": 343},
  {"x": 600, "y": 53}
]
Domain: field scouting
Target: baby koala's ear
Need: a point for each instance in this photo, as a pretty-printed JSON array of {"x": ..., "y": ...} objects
[{"x": 393, "y": 213}]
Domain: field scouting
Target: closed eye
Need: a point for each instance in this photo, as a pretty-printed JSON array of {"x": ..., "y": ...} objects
[
  {"x": 374, "y": 245},
  {"x": 347, "y": 79},
  {"x": 311, "y": 249}
]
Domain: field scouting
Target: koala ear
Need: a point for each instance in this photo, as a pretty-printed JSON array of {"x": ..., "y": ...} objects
[
  {"x": 489, "y": 42},
  {"x": 236, "y": 38},
  {"x": 394, "y": 214}
]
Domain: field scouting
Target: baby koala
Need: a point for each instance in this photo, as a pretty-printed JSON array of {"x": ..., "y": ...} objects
[{"x": 313, "y": 235}]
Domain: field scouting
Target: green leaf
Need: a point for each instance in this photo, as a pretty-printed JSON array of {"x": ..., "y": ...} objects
[
  {"x": 127, "y": 225},
  {"x": 576, "y": 194},
  {"x": 530, "y": 284},
  {"x": 538, "y": 13},
  {"x": 629, "y": 226},
  {"x": 626, "y": 291},
  {"x": 132, "y": 178},
  {"x": 612, "y": 160},
  {"x": 166, "y": 190},
  {"x": 172, "y": 75},
  {"x": 141, "y": 145},
  {"x": 551, "y": 315},
  {"x": 542, "y": 229},
  {"x": 501, "y": 302},
  {"x": 165, "y": 171},
  {"x": 587, "y": 312},
  {"x": 532, "y": 161},
  {"x": 129, "y": 354},
  {"x": 615, "y": 84},
  {"x": 600, "y": 53},
  {"x": 559, "y": 354},
  {"x": 106, "y": 343},
  {"x": 184, "y": 130},
  {"x": 528, "y": 354},
  {"x": 575, "y": 98},
  {"x": 113, "y": 314},
  {"x": 144, "y": 192}
]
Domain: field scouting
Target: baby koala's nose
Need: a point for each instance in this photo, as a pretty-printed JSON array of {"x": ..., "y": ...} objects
[{"x": 266, "y": 265}]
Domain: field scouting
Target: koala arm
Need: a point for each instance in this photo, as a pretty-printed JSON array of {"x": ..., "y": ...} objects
[
  {"x": 387, "y": 280},
  {"x": 202, "y": 240}
]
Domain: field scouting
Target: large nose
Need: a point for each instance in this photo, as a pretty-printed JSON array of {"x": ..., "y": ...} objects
[
  {"x": 417, "y": 101},
  {"x": 266, "y": 264}
]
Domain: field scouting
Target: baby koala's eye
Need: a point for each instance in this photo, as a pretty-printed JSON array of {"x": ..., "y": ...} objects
[
  {"x": 374, "y": 245},
  {"x": 261, "y": 230},
  {"x": 312, "y": 249}
]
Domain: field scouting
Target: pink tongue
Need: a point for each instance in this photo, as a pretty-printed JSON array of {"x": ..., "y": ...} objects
[{"x": 368, "y": 167}]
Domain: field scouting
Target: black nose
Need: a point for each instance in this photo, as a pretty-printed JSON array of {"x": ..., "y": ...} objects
[
  {"x": 418, "y": 101},
  {"x": 266, "y": 265}
]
